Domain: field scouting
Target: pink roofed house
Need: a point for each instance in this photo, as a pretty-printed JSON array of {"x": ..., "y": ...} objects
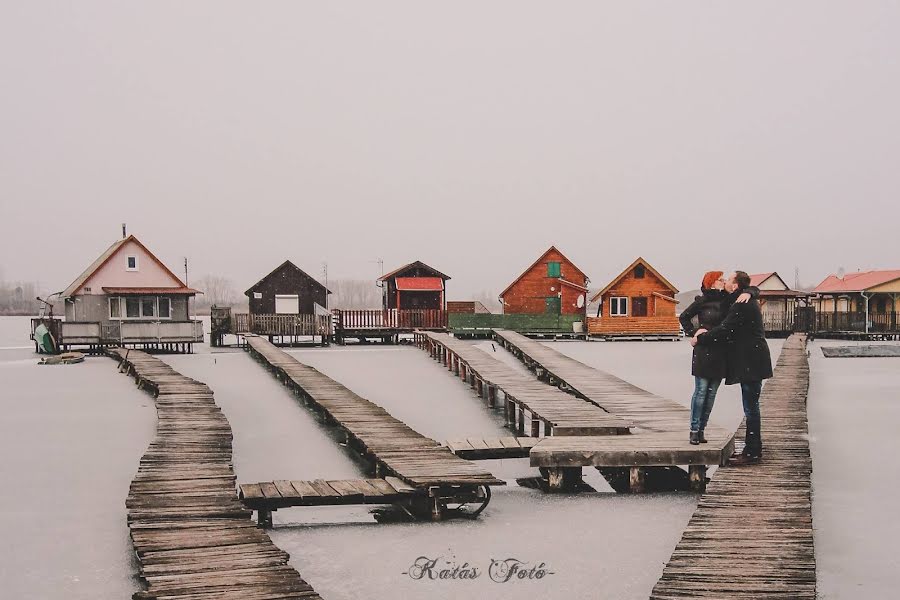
[
  {"x": 862, "y": 301},
  {"x": 128, "y": 297},
  {"x": 778, "y": 302}
]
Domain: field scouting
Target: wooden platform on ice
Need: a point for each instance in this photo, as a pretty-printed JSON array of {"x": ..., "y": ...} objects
[
  {"x": 489, "y": 448},
  {"x": 873, "y": 351},
  {"x": 751, "y": 535},
  {"x": 192, "y": 535},
  {"x": 270, "y": 495},
  {"x": 390, "y": 446}
]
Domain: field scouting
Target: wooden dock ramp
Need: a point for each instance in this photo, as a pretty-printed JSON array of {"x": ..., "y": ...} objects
[
  {"x": 389, "y": 446},
  {"x": 584, "y": 407},
  {"x": 751, "y": 536},
  {"x": 525, "y": 401},
  {"x": 193, "y": 537}
]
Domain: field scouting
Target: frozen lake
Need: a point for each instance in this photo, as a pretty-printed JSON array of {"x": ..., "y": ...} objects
[{"x": 71, "y": 438}]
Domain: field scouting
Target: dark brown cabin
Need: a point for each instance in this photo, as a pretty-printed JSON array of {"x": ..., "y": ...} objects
[
  {"x": 415, "y": 286},
  {"x": 287, "y": 290}
]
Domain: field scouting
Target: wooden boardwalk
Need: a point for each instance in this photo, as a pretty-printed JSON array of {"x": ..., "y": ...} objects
[
  {"x": 659, "y": 425},
  {"x": 546, "y": 411},
  {"x": 751, "y": 536},
  {"x": 192, "y": 536},
  {"x": 389, "y": 445},
  {"x": 491, "y": 448}
]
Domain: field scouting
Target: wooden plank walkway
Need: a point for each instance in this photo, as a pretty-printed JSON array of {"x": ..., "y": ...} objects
[
  {"x": 751, "y": 536},
  {"x": 546, "y": 410},
  {"x": 389, "y": 445},
  {"x": 270, "y": 495},
  {"x": 192, "y": 536},
  {"x": 647, "y": 412},
  {"x": 489, "y": 448},
  {"x": 659, "y": 426}
]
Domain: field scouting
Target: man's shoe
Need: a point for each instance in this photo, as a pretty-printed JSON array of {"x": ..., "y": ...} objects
[
  {"x": 745, "y": 459},
  {"x": 701, "y": 437},
  {"x": 695, "y": 438}
]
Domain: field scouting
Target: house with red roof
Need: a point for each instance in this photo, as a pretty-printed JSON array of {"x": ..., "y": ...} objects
[
  {"x": 414, "y": 286},
  {"x": 861, "y": 301},
  {"x": 128, "y": 297},
  {"x": 777, "y": 301}
]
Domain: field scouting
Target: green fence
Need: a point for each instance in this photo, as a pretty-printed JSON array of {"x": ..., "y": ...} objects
[{"x": 532, "y": 323}]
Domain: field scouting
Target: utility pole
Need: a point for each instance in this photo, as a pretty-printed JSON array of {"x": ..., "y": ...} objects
[{"x": 325, "y": 272}]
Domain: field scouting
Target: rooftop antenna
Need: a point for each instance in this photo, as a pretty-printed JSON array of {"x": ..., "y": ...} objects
[
  {"x": 380, "y": 262},
  {"x": 123, "y": 231}
]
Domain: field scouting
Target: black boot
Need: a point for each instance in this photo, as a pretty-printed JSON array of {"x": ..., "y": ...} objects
[
  {"x": 753, "y": 440},
  {"x": 701, "y": 437},
  {"x": 695, "y": 438}
]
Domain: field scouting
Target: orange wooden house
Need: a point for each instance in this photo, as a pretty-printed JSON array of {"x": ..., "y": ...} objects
[
  {"x": 639, "y": 302},
  {"x": 551, "y": 285}
]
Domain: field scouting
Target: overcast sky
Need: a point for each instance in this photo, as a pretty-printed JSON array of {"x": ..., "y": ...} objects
[{"x": 469, "y": 135}]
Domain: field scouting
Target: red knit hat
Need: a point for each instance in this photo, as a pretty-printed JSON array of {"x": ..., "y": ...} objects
[{"x": 709, "y": 279}]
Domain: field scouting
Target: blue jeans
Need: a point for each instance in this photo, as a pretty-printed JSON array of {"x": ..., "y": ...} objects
[{"x": 702, "y": 401}]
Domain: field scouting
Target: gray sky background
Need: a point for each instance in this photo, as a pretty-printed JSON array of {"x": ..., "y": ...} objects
[{"x": 470, "y": 135}]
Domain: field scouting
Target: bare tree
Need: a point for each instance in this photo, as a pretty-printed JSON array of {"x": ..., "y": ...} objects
[
  {"x": 354, "y": 294},
  {"x": 217, "y": 291}
]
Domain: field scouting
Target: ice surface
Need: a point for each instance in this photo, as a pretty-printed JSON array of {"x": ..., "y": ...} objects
[{"x": 71, "y": 437}]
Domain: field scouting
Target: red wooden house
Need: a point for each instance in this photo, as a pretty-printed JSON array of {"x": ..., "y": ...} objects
[
  {"x": 551, "y": 285},
  {"x": 415, "y": 286},
  {"x": 638, "y": 302}
]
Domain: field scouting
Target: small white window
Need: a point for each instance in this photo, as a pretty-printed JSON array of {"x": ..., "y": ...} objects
[
  {"x": 257, "y": 295},
  {"x": 131, "y": 263},
  {"x": 115, "y": 308},
  {"x": 87, "y": 290},
  {"x": 165, "y": 308},
  {"x": 618, "y": 307}
]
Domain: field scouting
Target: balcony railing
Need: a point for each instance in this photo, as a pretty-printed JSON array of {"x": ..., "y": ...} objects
[
  {"x": 293, "y": 325},
  {"x": 74, "y": 333},
  {"x": 391, "y": 319}
]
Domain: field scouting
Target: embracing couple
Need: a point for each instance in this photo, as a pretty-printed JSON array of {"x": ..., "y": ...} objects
[{"x": 729, "y": 343}]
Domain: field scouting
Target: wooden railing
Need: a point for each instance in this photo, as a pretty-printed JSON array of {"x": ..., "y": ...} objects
[
  {"x": 294, "y": 325},
  {"x": 390, "y": 319}
]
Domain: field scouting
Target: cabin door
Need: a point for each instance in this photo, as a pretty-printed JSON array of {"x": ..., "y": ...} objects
[
  {"x": 287, "y": 304},
  {"x": 553, "y": 305},
  {"x": 638, "y": 307}
]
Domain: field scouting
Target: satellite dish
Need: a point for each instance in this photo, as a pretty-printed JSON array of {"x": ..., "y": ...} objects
[{"x": 580, "y": 302}]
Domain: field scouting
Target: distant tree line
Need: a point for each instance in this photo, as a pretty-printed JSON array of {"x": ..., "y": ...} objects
[{"x": 18, "y": 298}]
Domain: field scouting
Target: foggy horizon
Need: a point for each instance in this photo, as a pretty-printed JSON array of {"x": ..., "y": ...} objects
[{"x": 762, "y": 137}]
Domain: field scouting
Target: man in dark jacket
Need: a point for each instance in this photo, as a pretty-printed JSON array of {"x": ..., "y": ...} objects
[{"x": 748, "y": 363}]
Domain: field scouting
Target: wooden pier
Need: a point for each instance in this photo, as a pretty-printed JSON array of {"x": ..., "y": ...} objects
[
  {"x": 659, "y": 426},
  {"x": 525, "y": 401},
  {"x": 492, "y": 448},
  {"x": 193, "y": 537},
  {"x": 751, "y": 536},
  {"x": 438, "y": 478}
]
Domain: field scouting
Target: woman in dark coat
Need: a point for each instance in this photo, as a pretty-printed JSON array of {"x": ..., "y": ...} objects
[{"x": 709, "y": 363}]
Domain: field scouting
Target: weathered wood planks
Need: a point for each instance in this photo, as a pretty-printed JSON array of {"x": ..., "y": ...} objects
[
  {"x": 193, "y": 537},
  {"x": 490, "y": 448},
  {"x": 751, "y": 535},
  {"x": 549, "y": 411},
  {"x": 284, "y": 493},
  {"x": 395, "y": 448},
  {"x": 659, "y": 433}
]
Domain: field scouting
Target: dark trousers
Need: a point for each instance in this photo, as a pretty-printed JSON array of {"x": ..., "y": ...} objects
[{"x": 750, "y": 392}]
